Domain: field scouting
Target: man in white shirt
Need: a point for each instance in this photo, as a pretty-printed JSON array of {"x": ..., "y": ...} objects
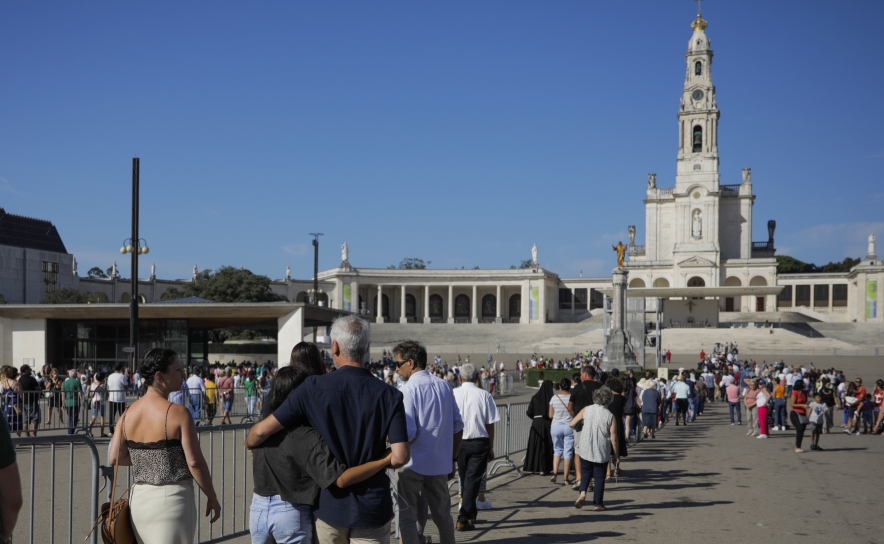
[
  {"x": 117, "y": 383},
  {"x": 434, "y": 430},
  {"x": 479, "y": 414},
  {"x": 682, "y": 393},
  {"x": 196, "y": 388}
]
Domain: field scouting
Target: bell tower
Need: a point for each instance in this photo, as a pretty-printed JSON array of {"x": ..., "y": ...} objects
[{"x": 698, "y": 116}]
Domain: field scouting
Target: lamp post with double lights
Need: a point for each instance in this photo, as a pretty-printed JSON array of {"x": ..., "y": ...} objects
[{"x": 133, "y": 245}]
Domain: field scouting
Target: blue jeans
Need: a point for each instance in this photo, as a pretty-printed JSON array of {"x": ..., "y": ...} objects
[
  {"x": 195, "y": 401},
  {"x": 274, "y": 520},
  {"x": 563, "y": 440},
  {"x": 692, "y": 412},
  {"x": 735, "y": 407},
  {"x": 779, "y": 414}
]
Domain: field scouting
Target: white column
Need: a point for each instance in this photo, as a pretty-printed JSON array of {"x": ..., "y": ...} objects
[
  {"x": 526, "y": 306},
  {"x": 451, "y": 304},
  {"x": 380, "y": 304},
  {"x": 291, "y": 331},
  {"x": 354, "y": 297},
  {"x": 473, "y": 315},
  {"x": 426, "y": 303},
  {"x": 402, "y": 318},
  {"x": 497, "y": 317},
  {"x": 573, "y": 300},
  {"x": 830, "y": 296}
]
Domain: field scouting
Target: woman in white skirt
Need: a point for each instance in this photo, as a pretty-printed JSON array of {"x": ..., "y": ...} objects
[{"x": 161, "y": 446}]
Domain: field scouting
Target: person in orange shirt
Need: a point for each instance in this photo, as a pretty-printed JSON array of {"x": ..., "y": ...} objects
[{"x": 779, "y": 405}]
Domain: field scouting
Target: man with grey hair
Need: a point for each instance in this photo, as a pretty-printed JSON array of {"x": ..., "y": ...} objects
[
  {"x": 479, "y": 414},
  {"x": 434, "y": 434},
  {"x": 355, "y": 413}
]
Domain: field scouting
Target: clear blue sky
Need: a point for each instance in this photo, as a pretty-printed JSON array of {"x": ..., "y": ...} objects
[{"x": 455, "y": 132}]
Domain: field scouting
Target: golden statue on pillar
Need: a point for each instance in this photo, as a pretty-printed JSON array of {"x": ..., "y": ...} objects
[{"x": 621, "y": 252}]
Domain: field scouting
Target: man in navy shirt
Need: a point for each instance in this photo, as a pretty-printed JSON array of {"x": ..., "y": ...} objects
[{"x": 355, "y": 413}]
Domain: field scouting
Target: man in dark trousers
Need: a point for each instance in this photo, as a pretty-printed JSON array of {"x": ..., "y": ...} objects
[{"x": 479, "y": 414}]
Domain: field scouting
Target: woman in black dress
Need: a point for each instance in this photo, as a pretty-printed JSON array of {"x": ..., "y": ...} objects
[
  {"x": 618, "y": 403},
  {"x": 539, "y": 456}
]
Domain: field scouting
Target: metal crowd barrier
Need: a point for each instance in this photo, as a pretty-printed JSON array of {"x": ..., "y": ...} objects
[
  {"x": 51, "y": 413},
  {"x": 231, "y": 469},
  {"x": 40, "y": 482}
]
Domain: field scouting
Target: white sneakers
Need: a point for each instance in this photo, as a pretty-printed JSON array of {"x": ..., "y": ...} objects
[
  {"x": 762, "y": 436},
  {"x": 483, "y": 505}
]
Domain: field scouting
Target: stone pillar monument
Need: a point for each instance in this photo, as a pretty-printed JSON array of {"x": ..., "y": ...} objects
[{"x": 618, "y": 353}]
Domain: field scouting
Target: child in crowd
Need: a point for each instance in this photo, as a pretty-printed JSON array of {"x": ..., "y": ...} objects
[
  {"x": 867, "y": 409},
  {"x": 817, "y": 417}
]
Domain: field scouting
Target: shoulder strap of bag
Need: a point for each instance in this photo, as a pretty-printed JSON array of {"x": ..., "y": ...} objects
[{"x": 565, "y": 405}]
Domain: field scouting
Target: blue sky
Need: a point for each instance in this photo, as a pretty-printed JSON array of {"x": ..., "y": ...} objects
[{"x": 458, "y": 132}]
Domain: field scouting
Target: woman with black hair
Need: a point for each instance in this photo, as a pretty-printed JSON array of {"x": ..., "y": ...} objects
[
  {"x": 158, "y": 440},
  {"x": 798, "y": 413},
  {"x": 561, "y": 431},
  {"x": 307, "y": 355},
  {"x": 291, "y": 467},
  {"x": 539, "y": 456}
]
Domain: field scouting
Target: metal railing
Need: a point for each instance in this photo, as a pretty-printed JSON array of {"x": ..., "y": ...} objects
[
  {"x": 40, "y": 477},
  {"x": 730, "y": 190},
  {"x": 49, "y": 410}
]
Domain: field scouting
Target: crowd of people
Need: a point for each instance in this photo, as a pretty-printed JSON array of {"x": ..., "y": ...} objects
[{"x": 335, "y": 433}]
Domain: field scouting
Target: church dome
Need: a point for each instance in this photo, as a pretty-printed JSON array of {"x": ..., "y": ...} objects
[{"x": 699, "y": 40}]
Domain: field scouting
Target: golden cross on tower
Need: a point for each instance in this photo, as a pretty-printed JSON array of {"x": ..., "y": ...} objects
[{"x": 699, "y": 8}]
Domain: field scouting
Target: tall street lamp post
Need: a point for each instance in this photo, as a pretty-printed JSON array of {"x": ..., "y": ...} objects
[
  {"x": 134, "y": 246},
  {"x": 313, "y": 299}
]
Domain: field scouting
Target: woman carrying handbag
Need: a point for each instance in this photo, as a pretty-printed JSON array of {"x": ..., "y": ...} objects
[{"x": 158, "y": 440}]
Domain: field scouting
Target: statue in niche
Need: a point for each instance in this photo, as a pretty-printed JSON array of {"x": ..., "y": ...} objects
[
  {"x": 345, "y": 252},
  {"x": 621, "y": 254},
  {"x": 697, "y": 224},
  {"x": 747, "y": 175},
  {"x": 534, "y": 254},
  {"x": 631, "y": 230},
  {"x": 771, "y": 228},
  {"x": 652, "y": 181}
]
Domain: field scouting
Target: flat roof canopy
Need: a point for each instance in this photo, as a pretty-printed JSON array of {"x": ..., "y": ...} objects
[
  {"x": 685, "y": 292},
  {"x": 216, "y": 315}
]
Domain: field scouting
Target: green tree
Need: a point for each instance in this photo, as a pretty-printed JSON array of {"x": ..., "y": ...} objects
[
  {"x": 67, "y": 295},
  {"x": 95, "y": 272},
  {"x": 227, "y": 284},
  {"x": 527, "y": 263},
  {"x": 791, "y": 265},
  {"x": 411, "y": 263},
  {"x": 843, "y": 266},
  {"x": 97, "y": 298}
]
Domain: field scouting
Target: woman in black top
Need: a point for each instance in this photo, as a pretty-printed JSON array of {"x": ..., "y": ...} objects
[
  {"x": 830, "y": 400},
  {"x": 291, "y": 467},
  {"x": 539, "y": 456}
]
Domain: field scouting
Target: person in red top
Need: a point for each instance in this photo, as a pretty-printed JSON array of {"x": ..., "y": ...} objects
[
  {"x": 798, "y": 413},
  {"x": 702, "y": 355}
]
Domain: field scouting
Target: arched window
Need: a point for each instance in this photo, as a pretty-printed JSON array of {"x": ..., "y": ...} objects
[
  {"x": 435, "y": 305},
  {"x": 515, "y": 306},
  {"x": 489, "y": 306},
  {"x": 698, "y": 68},
  {"x": 301, "y": 297},
  {"x": 698, "y": 139},
  {"x": 462, "y": 306},
  {"x": 696, "y": 281},
  {"x": 410, "y": 306}
]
